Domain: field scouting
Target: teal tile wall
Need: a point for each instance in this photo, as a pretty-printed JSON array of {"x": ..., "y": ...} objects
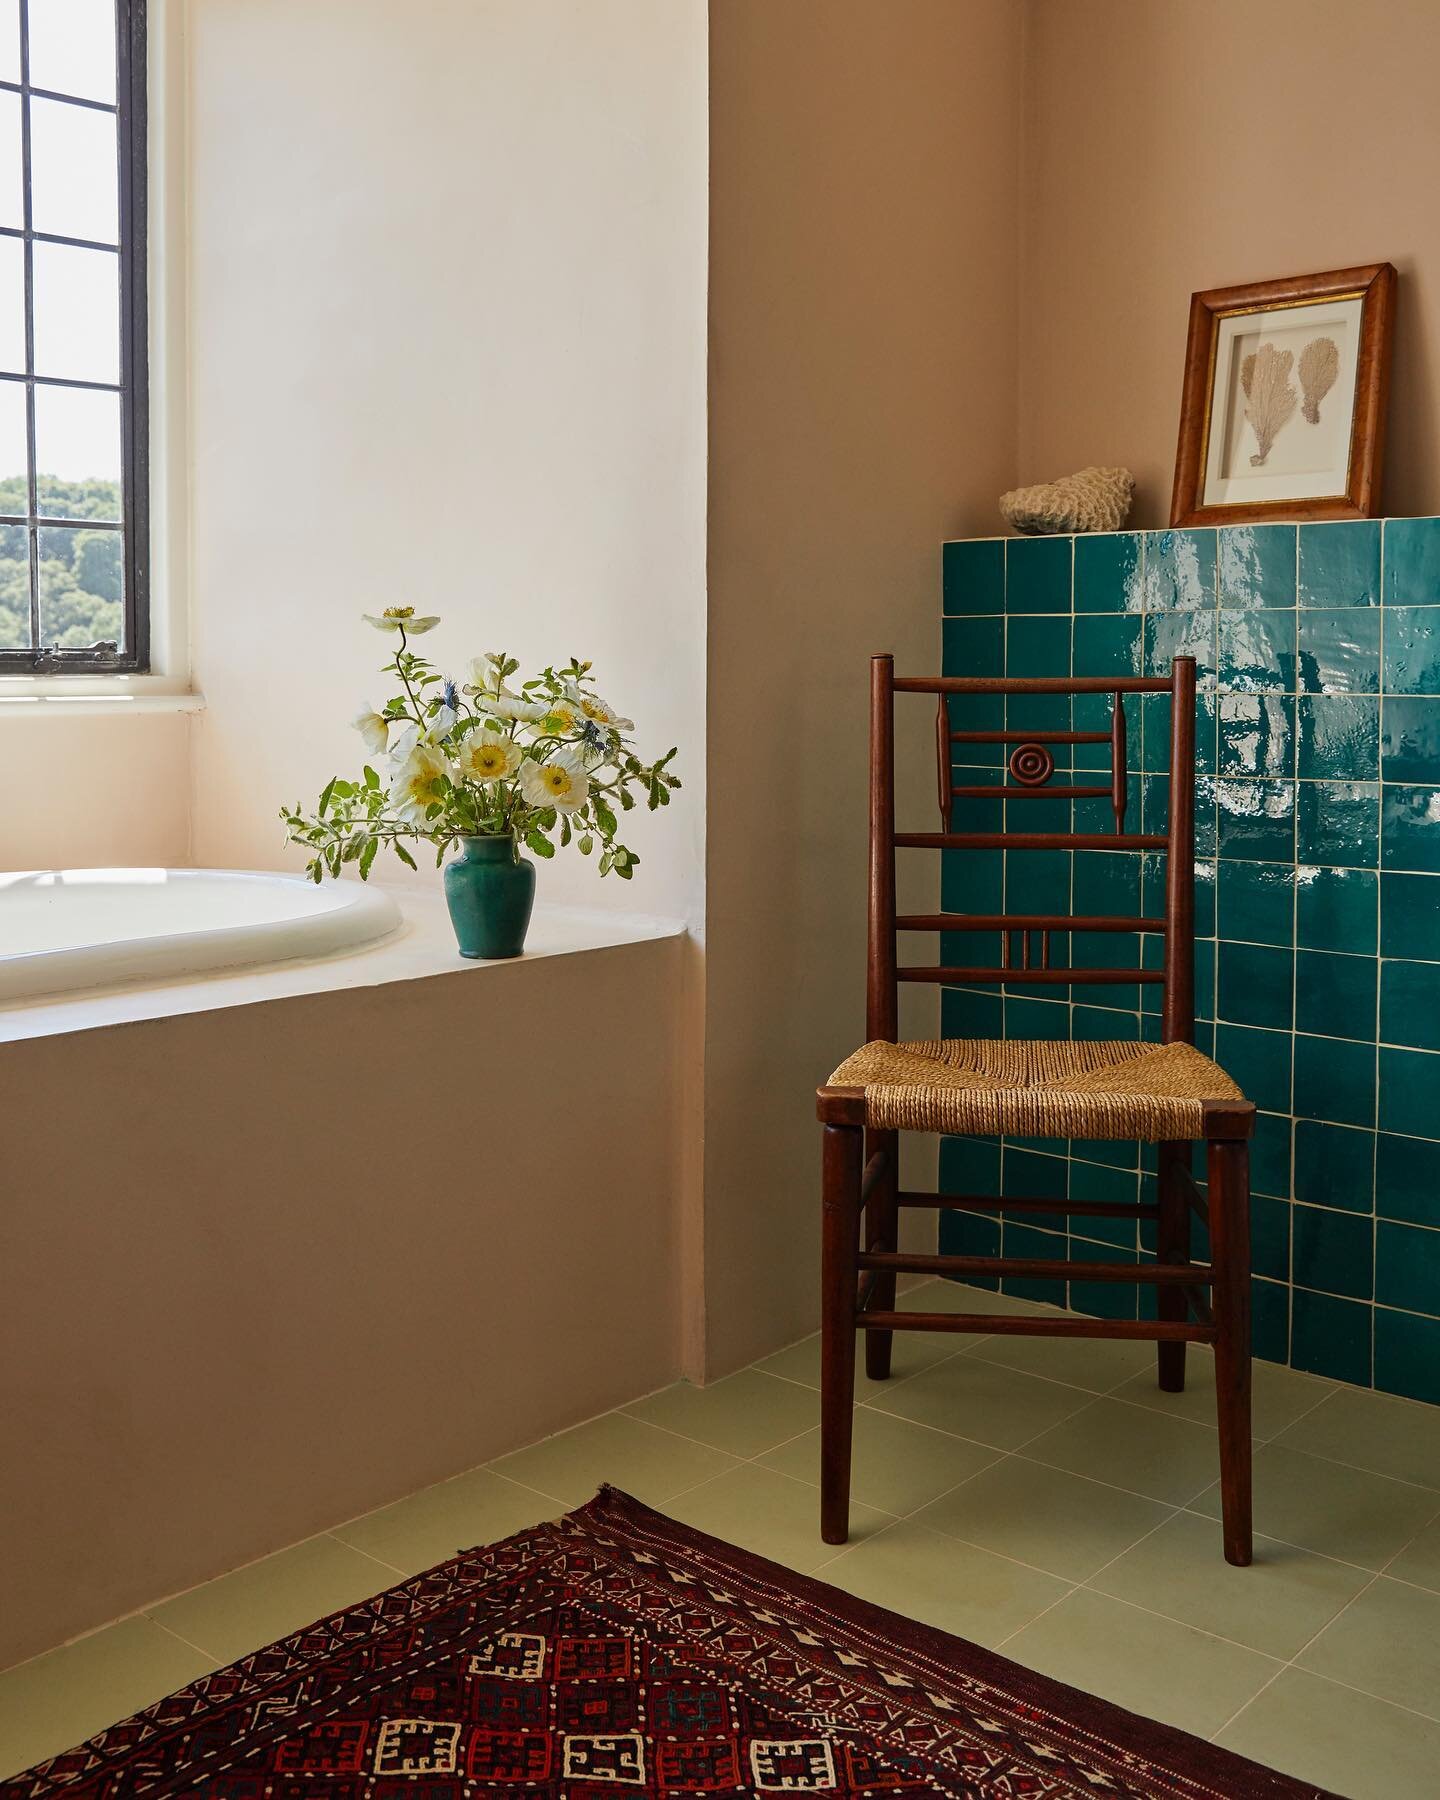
[{"x": 1318, "y": 891}]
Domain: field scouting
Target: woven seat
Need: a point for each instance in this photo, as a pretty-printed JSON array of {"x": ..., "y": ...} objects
[{"x": 1035, "y": 1088}]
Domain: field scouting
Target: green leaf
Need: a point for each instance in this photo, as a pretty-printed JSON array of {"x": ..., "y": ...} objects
[
  {"x": 372, "y": 780},
  {"x": 403, "y": 853},
  {"x": 367, "y": 856},
  {"x": 540, "y": 844},
  {"x": 325, "y": 796},
  {"x": 564, "y": 832},
  {"x": 604, "y": 818},
  {"x": 586, "y": 844}
]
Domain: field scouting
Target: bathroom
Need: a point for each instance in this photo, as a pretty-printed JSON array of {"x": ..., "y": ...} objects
[{"x": 698, "y": 341}]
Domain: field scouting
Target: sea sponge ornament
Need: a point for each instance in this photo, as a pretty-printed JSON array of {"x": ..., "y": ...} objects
[{"x": 1089, "y": 500}]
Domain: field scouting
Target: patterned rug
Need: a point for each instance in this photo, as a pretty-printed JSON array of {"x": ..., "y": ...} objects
[{"x": 615, "y": 1653}]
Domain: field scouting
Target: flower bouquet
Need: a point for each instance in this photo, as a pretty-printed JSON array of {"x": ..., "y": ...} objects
[{"x": 483, "y": 767}]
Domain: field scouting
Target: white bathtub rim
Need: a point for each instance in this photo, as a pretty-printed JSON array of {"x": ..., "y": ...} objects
[{"x": 369, "y": 915}]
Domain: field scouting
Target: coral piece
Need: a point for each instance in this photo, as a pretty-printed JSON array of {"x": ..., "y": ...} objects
[
  {"x": 1319, "y": 365},
  {"x": 1271, "y": 399},
  {"x": 1247, "y": 372},
  {"x": 1090, "y": 500}
]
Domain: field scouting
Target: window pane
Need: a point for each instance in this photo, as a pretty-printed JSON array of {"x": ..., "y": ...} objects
[
  {"x": 77, "y": 452},
  {"x": 12, "y": 306},
  {"x": 10, "y": 40},
  {"x": 72, "y": 47},
  {"x": 74, "y": 173},
  {"x": 12, "y": 205},
  {"x": 14, "y": 540},
  {"x": 77, "y": 313},
  {"x": 82, "y": 585}
]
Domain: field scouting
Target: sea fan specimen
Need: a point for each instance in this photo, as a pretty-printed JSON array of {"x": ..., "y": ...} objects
[
  {"x": 1247, "y": 373},
  {"x": 1319, "y": 365},
  {"x": 1271, "y": 398}
]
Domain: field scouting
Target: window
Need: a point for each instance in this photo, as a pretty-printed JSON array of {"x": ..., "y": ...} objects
[{"x": 73, "y": 460}]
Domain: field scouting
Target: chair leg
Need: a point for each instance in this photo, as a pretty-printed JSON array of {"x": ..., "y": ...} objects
[
  {"x": 882, "y": 1233},
  {"x": 1228, "y": 1169},
  {"x": 838, "y": 1273},
  {"x": 1172, "y": 1245}
]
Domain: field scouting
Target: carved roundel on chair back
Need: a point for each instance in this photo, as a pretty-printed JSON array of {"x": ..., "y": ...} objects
[{"x": 1031, "y": 765}]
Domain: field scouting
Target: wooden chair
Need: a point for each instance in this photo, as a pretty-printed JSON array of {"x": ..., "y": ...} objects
[{"x": 1168, "y": 1094}]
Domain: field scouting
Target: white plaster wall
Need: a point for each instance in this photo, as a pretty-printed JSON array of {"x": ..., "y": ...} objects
[{"x": 447, "y": 337}]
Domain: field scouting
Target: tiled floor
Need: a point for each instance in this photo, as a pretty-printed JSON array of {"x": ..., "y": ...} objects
[{"x": 1041, "y": 1498}]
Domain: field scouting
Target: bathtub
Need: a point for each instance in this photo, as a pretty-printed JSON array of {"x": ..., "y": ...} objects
[{"x": 63, "y": 929}]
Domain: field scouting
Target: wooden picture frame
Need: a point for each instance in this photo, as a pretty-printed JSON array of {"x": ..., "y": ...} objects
[{"x": 1285, "y": 420}]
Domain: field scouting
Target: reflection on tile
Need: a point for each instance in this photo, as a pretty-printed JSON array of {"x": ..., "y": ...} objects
[
  {"x": 955, "y": 1587},
  {"x": 1256, "y": 820},
  {"x": 1343, "y": 1741},
  {"x": 1339, "y": 823},
  {"x": 1109, "y": 573},
  {"x": 1257, "y": 734},
  {"x": 1339, "y": 652},
  {"x": 1257, "y": 565},
  {"x": 1180, "y": 570},
  {"x": 1257, "y": 652},
  {"x": 1336, "y": 909},
  {"x": 1409, "y": 836},
  {"x": 1412, "y": 562},
  {"x": 1339, "y": 737},
  {"x": 1152, "y": 1665},
  {"x": 1411, "y": 748},
  {"x": 1276, "y": 1605},
  {"x": 1412, "y": 650}
]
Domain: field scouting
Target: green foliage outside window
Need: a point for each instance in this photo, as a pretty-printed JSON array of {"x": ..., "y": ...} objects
[{"x": 81, "y": 572}]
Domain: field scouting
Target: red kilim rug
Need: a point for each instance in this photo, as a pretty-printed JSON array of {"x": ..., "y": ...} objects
[{"x": 615, "y": 1653}]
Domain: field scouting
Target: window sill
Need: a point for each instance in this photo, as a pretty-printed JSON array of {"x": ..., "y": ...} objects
[{"x": 38, "y": 703}]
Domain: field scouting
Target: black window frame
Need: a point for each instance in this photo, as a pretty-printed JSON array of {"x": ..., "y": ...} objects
[{"x": 131, "y": 130}]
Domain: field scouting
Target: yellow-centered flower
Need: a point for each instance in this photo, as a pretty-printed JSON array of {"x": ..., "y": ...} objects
[
  {"x": 485, "y": 756},
  {"x": 561, "y": 783}
]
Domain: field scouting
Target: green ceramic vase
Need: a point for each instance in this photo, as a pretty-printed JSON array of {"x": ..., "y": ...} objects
[{"x": 490, "y": 889}]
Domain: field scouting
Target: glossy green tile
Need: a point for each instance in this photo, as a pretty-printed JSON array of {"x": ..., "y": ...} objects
[
  {"x": 1048, "y": 1019},
  {"x": 1256, "y": 902},
  {"x": 1336, "y": 909},
  {"x": 1168, "y": 635},
  {"x": 1029, "y": 1175},
  {"x": 1334, "y": 1080},
  {"x": 972, "y": 576},
  {"x": 1410, "y": 745},
  {"x": 972, "y": 880},
  {"x": 1412, "y": 650},
  {"x": 1407, "y": 1179},
  {"x": 1038, "y": 645},
  {"x": 1340, "y": 563},
  {"x": 1407, "y": 1267},
  {"x": 1180, "y": 570},
  {"x": 1257, "y": 652},
  {"x": 1339, "y": 652},
  {"x": 1410, "y": 917},
  {"x": 970, "y": 1234},
  {"x": 1257, "y": 565},
  {"x": 1093, "y": 1182},
  {"x": 1101, "y": 1299},
  {"x": 971, "y": 1013},
  {"x": 973, "y": 646},
  {"x": 1257, "y": 985},
  {"x": 1037, "y": 574},
  {"x": 1109, "y": 575},
  {"x": 1257, "y": 734},
  {"x": 1101, "y": 1024},
  {"x": 1334, "y": 1252},
  {"x": 1334, "y": 1166},
  {"x": 1270, "y": 1320},
  {"x": 969, "y": 1165},
  {"x": 1270, "y": 1237},
  {"x": 1335, "y": 995},
  {"x": 1407, "y": 1355},
  {"x": 1330, "y": 1336},
  {"x": 1259, "y": 1062},
  {"x": 1409, "y": 838},
  {"x": 1339, "y": 823},
  {"x": 1025, "y": 1240},
  {"x": 1339, "y": 737},
  {"x": 1256, "y": 820},
  {"x": 1270, "y": 1155},
  {"x": 1412, "y": 562},
  {"x": 1410, "y": 1004},
  {"x": 1108, "y": 644},
  {"x": 1409, "y": 1092}
]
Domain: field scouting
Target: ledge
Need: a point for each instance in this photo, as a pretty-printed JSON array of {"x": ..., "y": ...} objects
[
  {"x": 46, "y": 705},
  {"x": 423, "y": 948}
]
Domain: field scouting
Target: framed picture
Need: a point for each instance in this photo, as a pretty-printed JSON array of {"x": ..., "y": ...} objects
[{"x": 1283, "y": 410}]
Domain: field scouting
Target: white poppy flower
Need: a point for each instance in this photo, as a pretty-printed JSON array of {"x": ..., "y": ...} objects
[
  {"x": 592, "y": 707},
  {"x": 412, "y": 790},
  {"x": 487, "y": 756},
  {"x": 402, "y": 618},
  {"x": 562, "y": 782},
  {"x": 373, "y": 727},
  {"x": 508, "y": 706}
]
